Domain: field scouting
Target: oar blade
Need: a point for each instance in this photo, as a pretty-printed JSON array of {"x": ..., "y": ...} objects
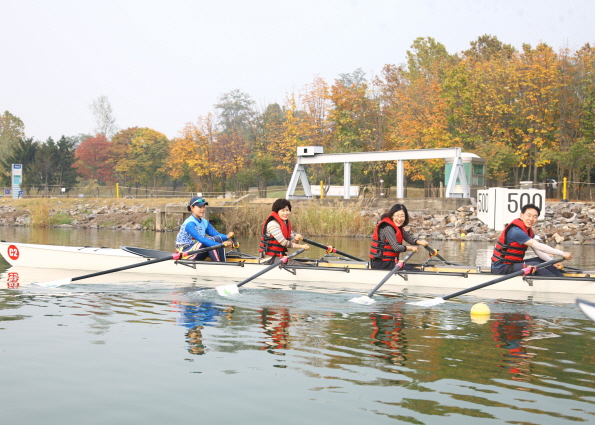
[
  {"x": 429, "y": 303},
  {"x": 365, "y": 300},
  {"x": 53, "y": 283},
  {"x": 226, "y": 290}
]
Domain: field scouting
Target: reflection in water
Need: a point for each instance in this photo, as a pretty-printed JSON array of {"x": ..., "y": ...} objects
[
  {"x": 511, "y": 330},
  {"x": 275, "y": 322},
  {"x": 388, "y": 336},
  {"x": 195, "y": 315},
  {"x": 332, "y": 351}
]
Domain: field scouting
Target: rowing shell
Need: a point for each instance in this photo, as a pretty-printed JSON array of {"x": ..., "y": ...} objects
[{"x": 332, "y": 273}]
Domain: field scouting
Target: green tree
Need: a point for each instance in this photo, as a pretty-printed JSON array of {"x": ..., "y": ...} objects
[
  {"x": 23, "y": 153},
  {"x": 11, "y": 130},
  {"x": 65, "y": 175}
]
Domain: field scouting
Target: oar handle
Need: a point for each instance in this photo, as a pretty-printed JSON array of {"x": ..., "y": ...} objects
[
  {"x": 175, "y": 256},
  {"x": 521, "y": 272},
  {"x": 395, "y": 269},
  {"x": 434, "y": 252},
  {"x": 326, "y": 247},
  {"x": 272, "y": 266}
]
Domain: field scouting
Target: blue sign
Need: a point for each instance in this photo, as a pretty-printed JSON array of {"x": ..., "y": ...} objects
[
  {"x": 7, "y": 191},
  {"x": 21, "y": 193},
  {"x": 17, "y": 166}
]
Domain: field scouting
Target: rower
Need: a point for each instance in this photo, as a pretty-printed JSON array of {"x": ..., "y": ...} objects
[
  {"x": 517, "y": 236},
  {"x": 388, "y": 237},
  {"x": 277, "y": 235},
  {"x": 197, "y": 232}
]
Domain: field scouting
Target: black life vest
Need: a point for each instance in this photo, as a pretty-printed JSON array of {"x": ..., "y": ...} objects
[
  {"x": 381, "y": 248},
  {"x": 514, "y": 252}
]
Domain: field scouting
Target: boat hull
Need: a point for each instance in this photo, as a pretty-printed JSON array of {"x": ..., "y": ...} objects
[{"x": 335, "y": 276}]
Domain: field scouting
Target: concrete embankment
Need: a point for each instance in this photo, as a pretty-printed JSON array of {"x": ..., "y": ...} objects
[{"x": 566, "y": 223}]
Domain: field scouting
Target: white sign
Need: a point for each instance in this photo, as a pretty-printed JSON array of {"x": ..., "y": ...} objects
[
  {"x": 336, "y": 191},
  {"x": 17, "y": 177},
  {"x": 496, "y": 207}
]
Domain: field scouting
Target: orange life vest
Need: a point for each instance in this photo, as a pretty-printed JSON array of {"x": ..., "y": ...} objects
[
  {"x": 381, "y": 248},
  {"x": 268, "y": 244},
  {"x": 514, "y": 252}
]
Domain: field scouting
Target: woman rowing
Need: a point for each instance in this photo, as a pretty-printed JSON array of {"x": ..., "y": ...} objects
[
  {"x": 196, "y": 232},
  {"x": 276, "y": 235},
  {"x": 388, "y": 238}
]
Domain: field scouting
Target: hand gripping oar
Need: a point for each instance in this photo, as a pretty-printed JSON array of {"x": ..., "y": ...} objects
[
  {"x": 524, "y": 271},
  {"x": 331, "y": 249},
  {"x": 233, "y": 289},
  {"x": 367, "y": 298},
  {"x": 175, "y": 256}
]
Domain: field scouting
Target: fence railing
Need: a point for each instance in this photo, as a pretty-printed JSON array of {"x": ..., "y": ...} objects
[
  {"x": 579, "y": 191},
  {"x": 110, "y": 192}
]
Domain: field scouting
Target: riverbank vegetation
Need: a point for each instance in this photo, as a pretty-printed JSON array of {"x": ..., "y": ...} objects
[{"x": 529, "y": 111}]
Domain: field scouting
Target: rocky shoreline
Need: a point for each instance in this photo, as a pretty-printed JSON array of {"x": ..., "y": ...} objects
[{"x": 564, "y": 223}]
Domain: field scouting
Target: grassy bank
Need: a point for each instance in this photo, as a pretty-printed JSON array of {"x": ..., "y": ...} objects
[{"x": 313, "y": 217}]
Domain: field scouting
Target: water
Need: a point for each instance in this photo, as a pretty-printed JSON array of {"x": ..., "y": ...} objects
[{"x": 166, "y": 352}]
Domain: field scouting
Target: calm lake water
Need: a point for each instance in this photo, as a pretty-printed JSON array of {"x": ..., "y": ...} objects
[{"x": 160, "y": 351}]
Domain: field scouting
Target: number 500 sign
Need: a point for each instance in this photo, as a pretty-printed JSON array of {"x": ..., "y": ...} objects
[{"x": 498, "y": 206}]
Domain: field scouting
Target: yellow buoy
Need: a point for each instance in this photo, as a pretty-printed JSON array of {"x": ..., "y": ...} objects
[
  {"x": 480, "y": 313},
  {"x": 463, "y": 235},
  {"x": 480, "y": 309}
]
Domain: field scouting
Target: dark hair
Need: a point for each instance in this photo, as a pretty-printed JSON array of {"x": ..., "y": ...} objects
[
  {"x": 281, "y": 203},
  {"x": 393, "y": 210},
  {"x": 527, "y": 206}
]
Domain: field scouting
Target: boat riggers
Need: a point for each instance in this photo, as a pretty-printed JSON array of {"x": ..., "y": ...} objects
[
  {"x": 367, "y": 299},
  {"x": 330, "y": 249},
  {"x": 523, "y": 272},
  {"x": 233, "y": 289},
  {"x": 175, "y": 256}
]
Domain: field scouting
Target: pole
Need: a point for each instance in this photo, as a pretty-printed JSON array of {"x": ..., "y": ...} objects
[{"x": 564, "y": 191}]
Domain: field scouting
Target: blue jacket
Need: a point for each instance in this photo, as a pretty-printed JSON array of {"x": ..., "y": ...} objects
[{"x": 197, "y": 230}]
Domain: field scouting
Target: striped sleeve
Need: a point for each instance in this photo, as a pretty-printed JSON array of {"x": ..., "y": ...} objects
[
  {"x": 275, "y": 230},
  {"x": 388, "y": 233}
]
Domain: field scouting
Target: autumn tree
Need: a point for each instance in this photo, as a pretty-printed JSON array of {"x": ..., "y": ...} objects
[
  {"x": 93, "y": 159},
  {"x": 192, "y": 156},
  {"x": 146, "y": 159},
  {"x": 119, "y": 151}
]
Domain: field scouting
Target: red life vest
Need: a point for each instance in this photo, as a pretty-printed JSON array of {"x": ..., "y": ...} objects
[
  {"x": 268, "y": 244},
  {"x": 381, "y": 248},
  {"x": 514, "y": 252}
]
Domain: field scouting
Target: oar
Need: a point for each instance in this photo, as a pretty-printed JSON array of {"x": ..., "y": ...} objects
[
  {"x": 523, "y": 271},
  {"x": 434, "y": 252},
  {"x": 367, "y": 299},
  {"x": 233, "y": 289},
  {"x": 587, "y": 307},
  {"x": 175, "y": 256},
  {"x": 331, "y": 249}
]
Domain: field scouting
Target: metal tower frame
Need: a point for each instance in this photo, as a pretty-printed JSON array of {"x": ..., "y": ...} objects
[{"x": 307, "y": 155}]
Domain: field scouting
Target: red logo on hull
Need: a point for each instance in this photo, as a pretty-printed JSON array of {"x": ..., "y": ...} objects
[
  {"x": 13, "y": 280},
  {"x": 13, "y": 252}
]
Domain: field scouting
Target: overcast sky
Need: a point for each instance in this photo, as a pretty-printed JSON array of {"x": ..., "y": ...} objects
[{"x": 162, "y": 64}]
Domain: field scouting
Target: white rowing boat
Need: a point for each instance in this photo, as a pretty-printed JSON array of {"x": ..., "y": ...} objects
[{"x": 333, "y": 273}]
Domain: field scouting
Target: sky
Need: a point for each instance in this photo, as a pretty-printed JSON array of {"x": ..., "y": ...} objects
[{"x": 163, "y": 64}]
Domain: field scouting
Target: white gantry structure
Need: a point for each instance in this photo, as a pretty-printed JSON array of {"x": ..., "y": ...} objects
[{"x": 307, "y": 155}]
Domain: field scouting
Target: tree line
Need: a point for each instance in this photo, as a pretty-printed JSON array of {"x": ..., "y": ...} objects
[{"x": 528, "y": 111}]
